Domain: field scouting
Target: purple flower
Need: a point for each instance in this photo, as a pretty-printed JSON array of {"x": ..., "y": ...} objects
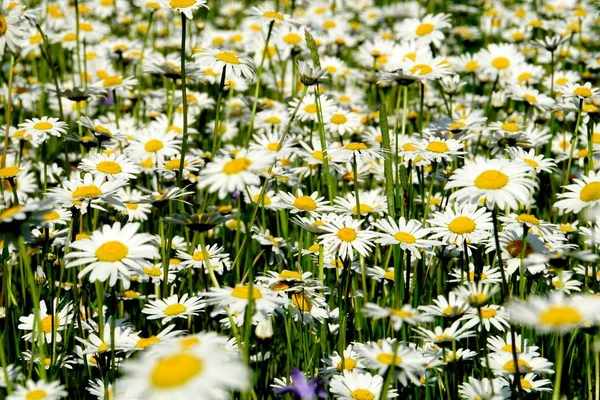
[
  {"x": 303, "y": 389},
  {"x": 235, "y": 195}
]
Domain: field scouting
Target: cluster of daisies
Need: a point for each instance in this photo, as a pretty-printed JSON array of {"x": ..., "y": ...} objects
[{"x": 292, "y": 199}]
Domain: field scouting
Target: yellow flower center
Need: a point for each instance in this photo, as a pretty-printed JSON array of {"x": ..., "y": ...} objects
[
  {"x": 530, "y": 98},
  {"x": 582, "y": 91},
  {"x": 557, "y": 316},
  {"x": 528, "y": 219},
  {"x": 362, "y": 394},
  {"x": 112, "y": 81},
  {"x": 509, "y": 127},
  {"x": 51, "y": 216},
  {"x": 590, "y": 192},
  {"x": 437, "y": 147},
  {"x": 364, "y": 209},
  {"x": 37, "y": 394},
  {"x": 147, "y": 342},
  {"x": 424, "y": 29},
  {"x": 531, "y": 162},
  {"x": 152, "y": 271},
  {"x": 462, "y": 225},
  {"x": 389, "y": 359},
  {"x": 174, "y": 164},
  {"x": 273, "y": 15},
  {"x": 524, "y": 367},
  {"x": 338, "y": 119},
  {"x": 491, "y": 180},
  {"x": 227, "y": 57},
  {"x": 305, "y": 203},
  {"x": 292, "y": 38},
  {"x": 501, "y": 63},
  {"x": 87, "y": 192},
  {"x": 349, "y": 365},
  {"x": 354, "y": 146},
  {"x": 131, "y": 206},
  {"x": 401, "y": 313},
  {"x": 175, "y": 371},
  {"x": 405, "y": 237},
  {"x": 301, "y": 302},
  {"x": 130, "y": 294},
  {"x": 422, "y": 69},
  {"x": 243, "y": 292},
  {"x": 347, "y": 234},
  {"x": 153, "y": 145},
  {"x": 318, "y": 155},
  {"x": 442, "y": 338},
  {"x": 46, "y": 323},
  {"x": 508, "y": 348},
  {"x": 524, "y": 76},
  {"x": 471, "y": 66},
  {"x": 9, "y": 172},
  {"x": 236, "y": 166},
  {"x": 3, "y": 25},
  {"x": 109, "y": 167},
  {"x": 488, "y": 313},
  {"x": 181, "y": 3},
  {"x": 112, "y": 251},
  {"x": 266, "y": 199},
  {"x": 286, "y": 274},
  {"x": 389, "y": 275},
  {"x": 311, "y": 108},
  {"x": 198, "y": 256},
  {"x": 43, "y": 126},
  {"x": 175, "y": 309}
]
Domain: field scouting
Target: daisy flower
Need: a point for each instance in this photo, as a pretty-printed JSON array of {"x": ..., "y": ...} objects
[
  {"x": 182, "y": 372},
  {"x": 112, "y": 253},
  {"x": 223, "y": 60},
  {"x": 186, "y": 7},
  {"x": 334, "y": 362},
  {"x": 452, "y": 307},
  {"x": 487, "y": 275},
  {"x": 397, "y": 317},
  {"x": 554, "y": 314},
  {"x": 341, "y": 121},
  {"x": 270, "y": 200},
  {"x": 226, "y": 175},
  {"x": 61, "y": 320},
  {"x": 496, "y": 182},
  {"x": 529, "y": 383},
  {"x": 575, "y": 90},
  {"x": 116, "y": 82},
  {"x": 89, "y": 191},
  {"x": 409, "y": 364},
  {"x": 372, "y": 202},
  {"x": 438, "y": 149},
  {"x": 475, "y": 389},
  {"x": 504, "y": 364},
  {"x": 154, "y": 145},
  {"x": 111, "y": 166},
  {"x": 410, "y": 235},
  {"x": 426, "y": 30},
  {"x": 468, "y": 223},
  {"x": 38, "y": 390},
  {"x": 357, "y": 385},
  {"x": 40, "y": 128},
  {"x": 498, "y": 59},
  {"x": 536, "y": 162},
  {"x": 173, "y": 307},
  {"x": 344, "y": 237},
  {"x": 498, "y": 344},
  {"x": 584, "y": 193},
  {"x": 451, "y": 334},
  {"x": 217, "y": 259},
  {"x": 236, "y": 299},
  {"x": 13, "y": 27},
  {"x": 491, "y": 315},
  {"x": 300, "y": 202}
]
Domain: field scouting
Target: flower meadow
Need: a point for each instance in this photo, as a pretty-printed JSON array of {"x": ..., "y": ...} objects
[{"x": 367, "y": 199}]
